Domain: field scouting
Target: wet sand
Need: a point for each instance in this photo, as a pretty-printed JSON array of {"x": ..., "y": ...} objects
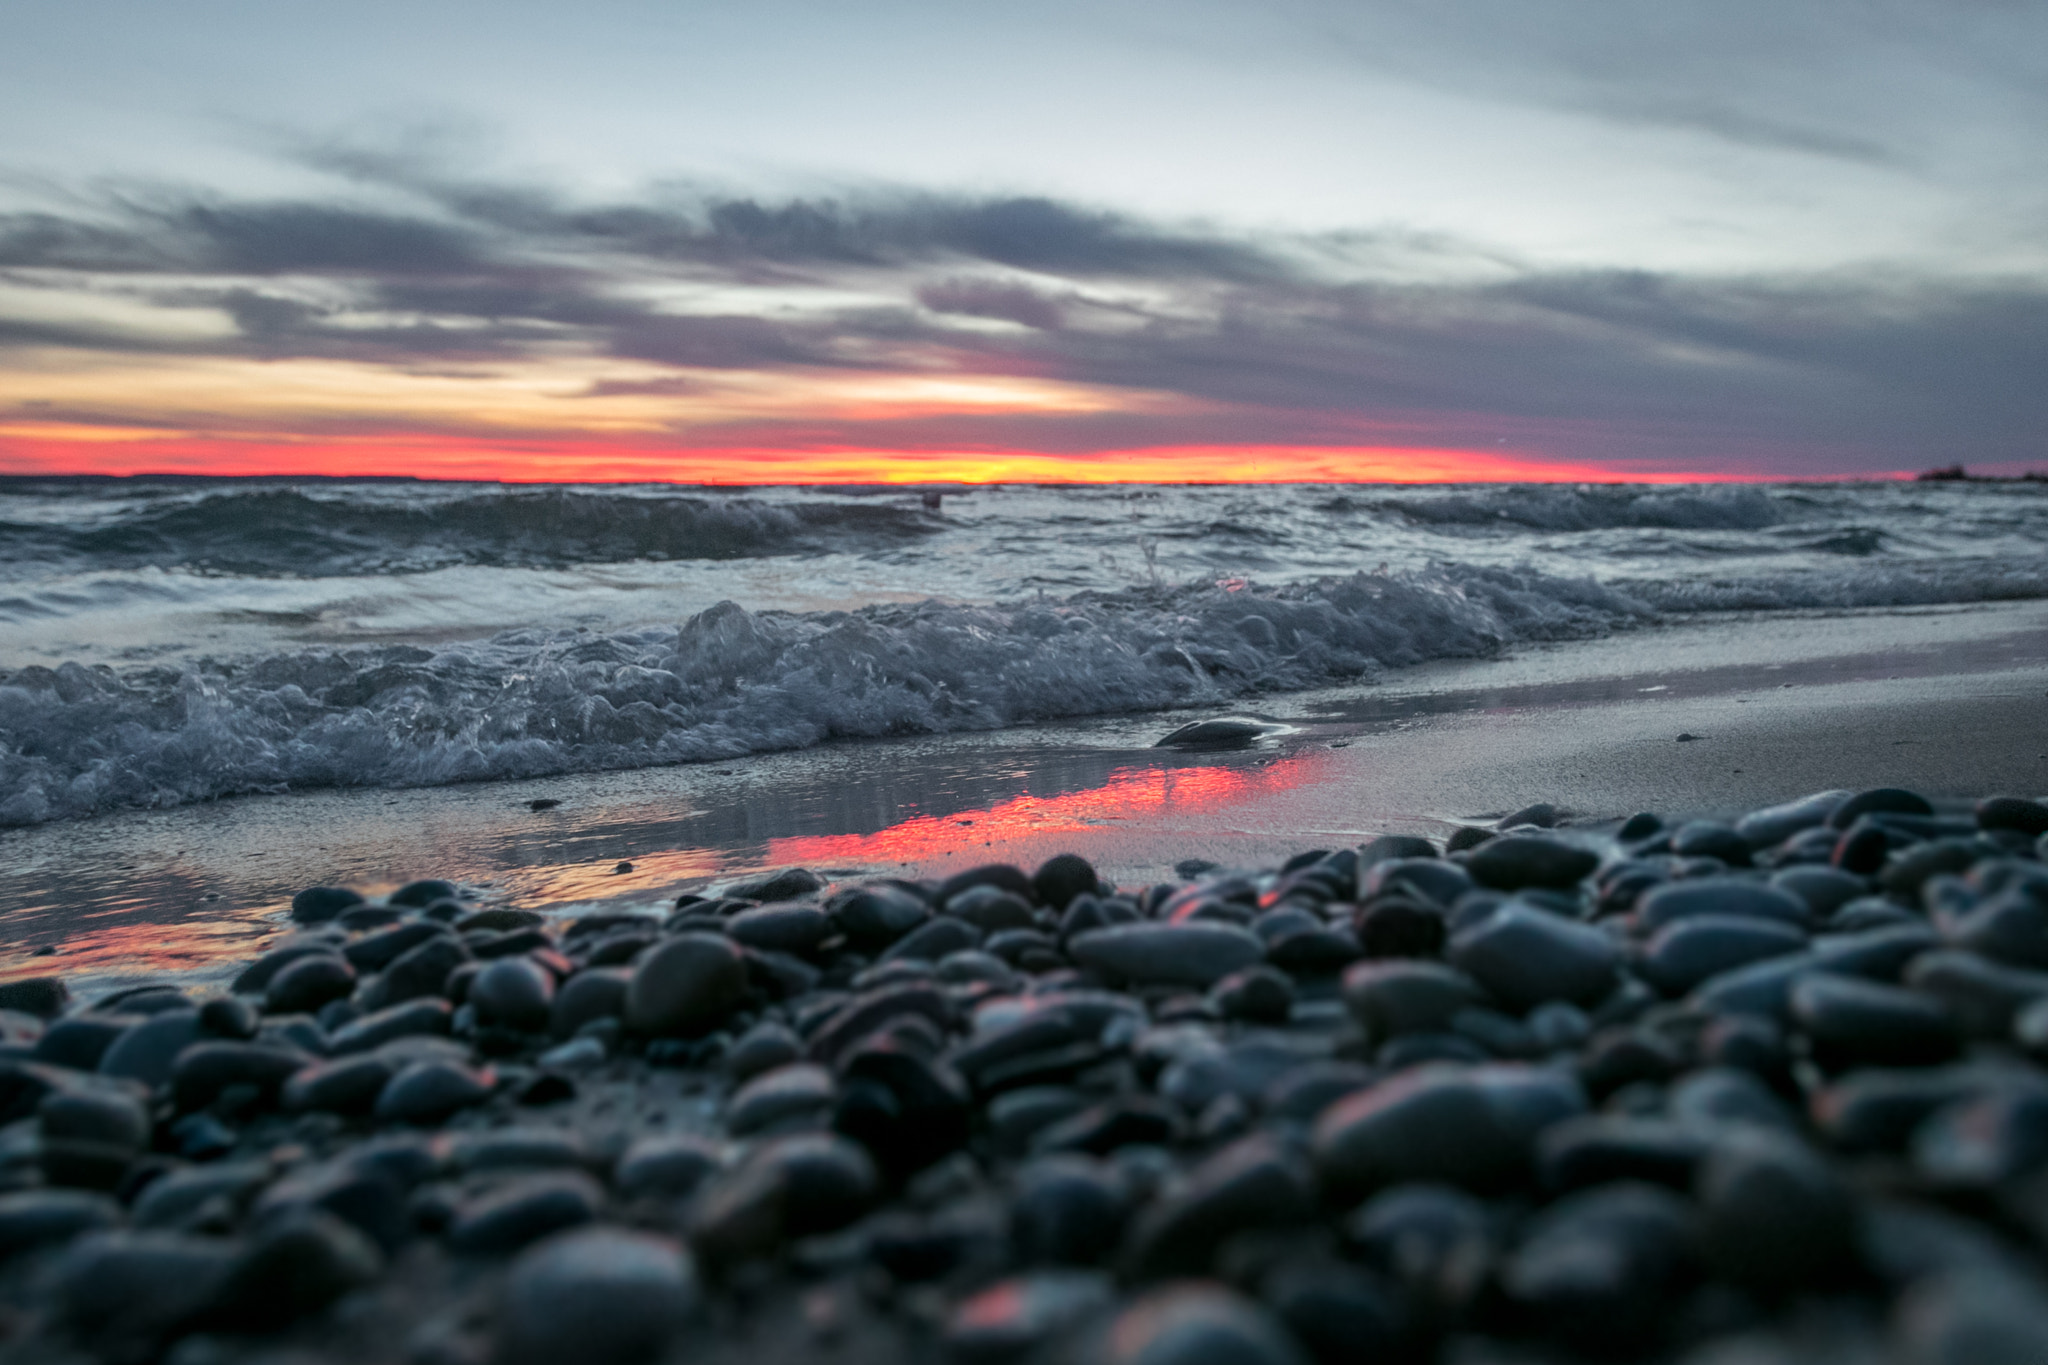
[{"x": 1952, "y": 701}]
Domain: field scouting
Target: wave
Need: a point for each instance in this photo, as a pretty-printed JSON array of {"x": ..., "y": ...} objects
[
  {"x": 76, "y": 741},
  {"x": 293, "y": 533},
  {"x": 1552, "y": 507}
]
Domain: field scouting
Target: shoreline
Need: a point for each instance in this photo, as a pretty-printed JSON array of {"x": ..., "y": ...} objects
[{"x": 1786, "y": 704}]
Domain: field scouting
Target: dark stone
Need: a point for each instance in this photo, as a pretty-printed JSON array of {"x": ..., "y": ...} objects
[
  {"x": 908, "y": 1111},
  {"x": 1862, "y": 849},
  {"x": 500, "y": 919},
  {"x": 318, "y": 904},
  {"x": 872, "y": 917},
  {"x": 1714, "y": 1095},
  {"x": 1775, "y": 824},
  {"x": 1514, "y": 861},
  {"x": 1595, "y": 1149},
  {"x": 1639, "y": 827},
  {"x": 991, "y": 909},
  {"x": 1824, "y": 889},
  {"x": 1253, "y": 1183},
  {"x": 788, "y": 1187},
  {"x": 513, "y": 993},
  {"x": 1981, "y": 996},
  {"x": 172, "y": 1199},
  {"x": 1102, "y": 1128},
  {"x": 1908, "y": 871},
  {"x": 603, "y": 1296},
  {"x": 1197, "y": 953},
  {"x": 932, "y": 940},
  {"x": 126, "y": 1293},
  {"x": 1722, "y": 896},
  {"x": 1395, "y": 997},
  {"x": 2010, "y": 926},
  {"x": 1068, "y": 1210},
  {"x": 1773, "y": 1216},
  {"x": 1878, "y": 800},
  {"x": 146, "y": 1051},
  {"x": 255, "y": 978},
  {"x": 1877, "y": 1110},
  {"x": 1431, "y": 880},
  {"x": 374, "y": 952},
  {"x": 592, "y": 994},
  {"x": 1259, "y": 994},
  {"x": 1986, "y": 1140},
  {"x": 1389, "y": 847},
  {"x": 687, "y": 986},
  {"x": 1010, "y": 1319},
  {"x": 1710, "y": 839},
  {"x": 1000, "y": 875},
  {"x": 1467, "y": 837},
  {"x": 668, "y": 1167},
  {"x": 204, "y": 1070},
  {"x": 1688, "y": 951},
  {"x": 427, "y": 1092},
  {"x": 1302, "y": 1093},
  {"x": 80, "y": 1041},
  {"x": 871, "y": 1011},
  {"x": 2015, "y": 813},
  {"x": 1340, "y": 1313},
  {"x": 786, "y": 885},
  {"x": 1431, "y": 1239},
  {"x": 1467, "y": 1125},
  {"x": 1849, "y": 1022},
  {"x": 1061, "y": 878},
  {"x": 509, "y": 1216},
  {"x": 42, "y": 996},
  {"x": 1525, "y": 956},
  {"x": 358, "y": 918},
  {"x": 359, "y": 1190},
  {"x": 782, "y": 928},
  {"x": 426, "y": 1016},
  {"x": 1199, "y": 1324},
  {"x": 347, "y": 1085},
  {"x": 230, "y": 1017},
  {"x": 1395, "y": 926},
  {"x": 309, "y": 982},
  {"x": 30, "y": 1219},
  {"x": 420, "y": 894},
  {"x": 1598, "y": 1270},
  {"x": 294, "y": 1265},
  {"x": 798, "y": 1095},
  {"x": 1542, "y": 815}
]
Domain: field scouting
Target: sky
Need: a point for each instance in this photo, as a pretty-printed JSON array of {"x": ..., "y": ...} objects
[{"x": 797, "y": 242}]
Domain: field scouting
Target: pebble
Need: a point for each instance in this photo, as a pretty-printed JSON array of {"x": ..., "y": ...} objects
[
  {"x": 507, "y": 1217},
  {"x": 1848, "y": 1022},
  {"x": 1687, "y": 951},
  {"x": 317, "y": 904},
  {"x": 1721, "y": 896},
  {"x": 1772, "y": 1214},
  {"x": 1199, "y": 953},
  {"x": 598, "y": 1295},
  {"x": 1524, "y": 957},
  {"x": 1032, "y": 1115},
  {"x": 800, "y": 1095},
  {"x": 306, "y": 983},
  {"x": 514, "y": 993},
  {"x": 1462, "y": 1124},
  {"x": 428, "y": 1092},
  {"x": 685, "y": 987},
  {"x": 1512, "y": 862},
  {"x": 1191, "y": 1325}
]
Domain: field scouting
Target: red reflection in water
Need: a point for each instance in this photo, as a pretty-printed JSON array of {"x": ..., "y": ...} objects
[{"x": 1135, "y": 793}]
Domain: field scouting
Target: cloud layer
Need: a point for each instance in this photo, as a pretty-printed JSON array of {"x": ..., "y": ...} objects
[{"x": 883, "y": 319}]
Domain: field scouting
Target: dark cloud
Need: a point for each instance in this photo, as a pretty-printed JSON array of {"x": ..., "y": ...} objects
[
  {"x": 992, "y": 299},
  {"x": 1258, "y": 347}
]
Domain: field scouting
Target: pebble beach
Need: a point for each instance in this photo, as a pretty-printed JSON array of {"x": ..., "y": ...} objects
[{"x": 1763, "y": 1088}]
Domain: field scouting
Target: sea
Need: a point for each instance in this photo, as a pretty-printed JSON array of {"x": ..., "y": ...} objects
[{"x": 179, "y": 640}]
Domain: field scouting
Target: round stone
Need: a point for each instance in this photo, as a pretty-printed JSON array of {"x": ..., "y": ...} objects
[
  {"x": 781, "y": 928},
  {"x": 1198, "y": 1324},
  {"x": 686, "y": 986},
  {"x": 1469, "y": 1125},
  {"x": 1525, "y": 956},
  {"x": 514, "y": 993},
  {"x": 800, "y": 1095},
  {"x": 1196, "y": 953},
  {"x": 1061, "y": 878},
  {"x": 601, "y": 1295},
  {"x": 309, "y": 982},
  {"x": 669, "y": 1166},
  {"x": 1068, "y": 1210},
  {"x": 1514, "y": 861},
  {"x": 1670, "y": 902},
  {"x": 513, "y": 1214},
  {"x": 1773, "y": 1215},
  {"x": 1851, "y": 1022},
  {"x": 427, "y": 1092},
  {"x": 1688, "y": 951}
]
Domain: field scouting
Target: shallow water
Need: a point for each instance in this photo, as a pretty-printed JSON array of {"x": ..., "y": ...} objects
[{"x": 182, "y": 640}]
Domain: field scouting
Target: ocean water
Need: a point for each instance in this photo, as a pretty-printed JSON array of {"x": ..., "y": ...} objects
[{"x": 164, "y": 642}]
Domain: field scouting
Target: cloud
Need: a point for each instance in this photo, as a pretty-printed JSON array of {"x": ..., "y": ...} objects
[{"x": 1213, "y": 336}]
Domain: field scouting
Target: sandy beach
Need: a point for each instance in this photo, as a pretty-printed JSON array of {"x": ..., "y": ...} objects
[{"x": 1951, "y": 701}]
